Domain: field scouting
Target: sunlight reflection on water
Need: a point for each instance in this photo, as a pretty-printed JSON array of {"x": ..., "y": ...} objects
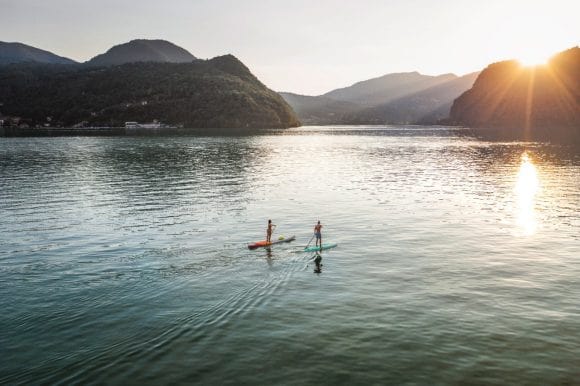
[{"x": 527, "y": 187}]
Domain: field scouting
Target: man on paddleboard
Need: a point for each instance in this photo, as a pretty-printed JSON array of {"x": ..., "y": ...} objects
[
  {"x": 269, "y": 231},
  {"x": 318, "y": 234}
]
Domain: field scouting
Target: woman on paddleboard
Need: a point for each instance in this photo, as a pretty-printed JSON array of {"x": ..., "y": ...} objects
[
  {"x": 269, "y": 231},
  {"x": 318, "y": 234}
]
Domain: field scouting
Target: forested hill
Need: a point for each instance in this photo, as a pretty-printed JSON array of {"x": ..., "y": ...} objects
[
  {"x": 142, "y": 50},
  {"x": 220, "y": 92},
  {"x": 527, "y": 102},
  {"x": 23, "y": 53}
]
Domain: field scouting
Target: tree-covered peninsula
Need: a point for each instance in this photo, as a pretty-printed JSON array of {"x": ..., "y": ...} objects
[{"x": 216, "y": 93}]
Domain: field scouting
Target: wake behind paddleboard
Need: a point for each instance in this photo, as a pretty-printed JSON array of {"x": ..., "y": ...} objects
[
  {"x": 264, "y": 243},
  {"x": 314, "y": 248}
]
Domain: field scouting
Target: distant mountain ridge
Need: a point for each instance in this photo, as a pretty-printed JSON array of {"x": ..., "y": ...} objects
[
  {"x": 319, "y": 110},
  {"x": 425, "y": 106},
  {"x": 524, "y": 102},
  {"x": 142, "y": 50},
  {"x": 12, "y": 53},
  {"x": 386, "y": 88},
  {"x": 36, "y": 85},
  {"x": 398, "y": 98},
  {"x": 134, "y": 51}
]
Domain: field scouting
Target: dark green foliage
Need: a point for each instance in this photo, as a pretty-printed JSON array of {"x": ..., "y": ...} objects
[{"x": 220, "y": 92}]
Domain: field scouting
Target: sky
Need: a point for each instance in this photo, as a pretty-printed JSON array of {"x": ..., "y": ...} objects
[{"x": 308, "y": 47}]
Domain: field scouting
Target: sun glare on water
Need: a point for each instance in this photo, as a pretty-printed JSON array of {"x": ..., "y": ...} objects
[{"x": 526, "y": 188}]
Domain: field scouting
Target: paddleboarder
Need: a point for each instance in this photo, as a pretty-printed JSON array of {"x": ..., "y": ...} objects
[
  {"x": 269, "y": 231},
  {"x": 318, "y": 234}
]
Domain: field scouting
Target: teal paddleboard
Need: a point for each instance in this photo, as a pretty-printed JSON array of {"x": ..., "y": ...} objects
[{"x": 314, "y": 248}]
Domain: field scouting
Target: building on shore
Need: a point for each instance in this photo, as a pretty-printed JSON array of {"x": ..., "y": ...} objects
[
  {"x": 155, "y": 125},
  {"x": 137, "y": 125}
]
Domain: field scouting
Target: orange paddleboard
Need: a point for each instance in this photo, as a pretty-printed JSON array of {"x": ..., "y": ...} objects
[{"x": 264, "y": 243}]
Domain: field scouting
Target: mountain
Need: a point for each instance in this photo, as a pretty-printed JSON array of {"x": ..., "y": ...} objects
[
  {"x": 319, "y": 110},
  {"x": 390, "y": 99},
  {"x": 427, "y": 106},
  {"x": 386, "y": 88},
  {"x": 525, "y": 102},
  {"x": 141, "y": 50},
  {"x": 22, "y": 53},
  {"x": 215, "y": 93}
]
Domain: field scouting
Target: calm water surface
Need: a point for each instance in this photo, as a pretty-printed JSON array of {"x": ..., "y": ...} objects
[{"x": 124, "y": 260}]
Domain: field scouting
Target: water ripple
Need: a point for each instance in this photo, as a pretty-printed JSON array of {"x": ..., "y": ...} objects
[{"x": 125, "y": 259}]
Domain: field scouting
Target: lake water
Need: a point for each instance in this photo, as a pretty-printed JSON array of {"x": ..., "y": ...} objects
[{"x": 124, "y": 260}]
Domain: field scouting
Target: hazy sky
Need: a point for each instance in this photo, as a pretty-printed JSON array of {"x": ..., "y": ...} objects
[{"x": 302, "y": 46}]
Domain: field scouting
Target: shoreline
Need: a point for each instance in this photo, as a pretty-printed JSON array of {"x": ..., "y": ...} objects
[
  {"x": 61, "y": 131},
  {"x": 553, "y": 135},
  {"x": 19, "y": 132}
]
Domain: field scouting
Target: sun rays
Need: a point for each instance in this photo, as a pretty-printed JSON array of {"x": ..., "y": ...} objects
[{"x": 527, "y": 99}]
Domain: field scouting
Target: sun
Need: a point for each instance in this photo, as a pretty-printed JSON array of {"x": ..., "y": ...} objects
[{"x": 534, "y": 58}]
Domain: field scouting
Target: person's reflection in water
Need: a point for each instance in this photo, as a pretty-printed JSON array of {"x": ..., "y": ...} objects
[{"x": 318, "y": 263}]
